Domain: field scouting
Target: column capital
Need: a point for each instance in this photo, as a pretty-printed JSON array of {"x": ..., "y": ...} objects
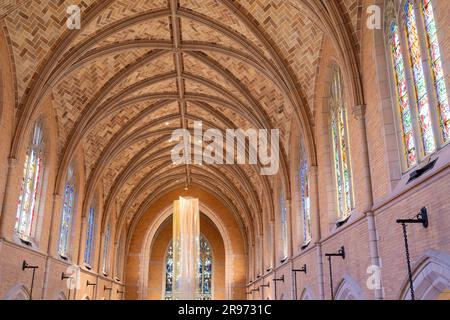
[
  {"x": 12, "y": 162},
  {"x": 359, "y": 111}
]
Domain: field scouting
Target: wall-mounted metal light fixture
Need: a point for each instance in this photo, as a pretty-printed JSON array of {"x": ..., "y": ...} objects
[
  {"x": 421, "y": 218},
  {"x": 105, "y": 288},
  {"x": 302, "y": 269},
  {"x": 64, "y": 277},
  {"x": 120, "y": 292},
  {"x": 93, "y": 284},
  {"x": 26, "y": 266},
  {"x": 340, "y": 253},
  {"x": 267, "y": 285},
  {"x": 280, "y": 279}
]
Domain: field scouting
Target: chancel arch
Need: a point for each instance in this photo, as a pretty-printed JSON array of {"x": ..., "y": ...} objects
[{"x": 218, "y": 225}]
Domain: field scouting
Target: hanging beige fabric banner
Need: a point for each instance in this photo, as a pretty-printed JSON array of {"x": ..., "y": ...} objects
[{"x": 186, "y": 248}]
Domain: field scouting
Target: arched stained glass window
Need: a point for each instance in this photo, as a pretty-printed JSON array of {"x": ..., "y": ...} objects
[
  {"x": 422, "y": 97},
  {"x": 283, "y": 223},
  {"x": 305, "y": 200},
  {"x": 105, "y": 261},
  {"x": 424, "y": 111},
  {"x": 409, "y": 143},
  {"x": 88, "y": 248},
  {"x": 341, "y": 150},
  {"x": 67, "y": 214},
  {"x": 205, "y": 269},
  {"x": 437, "y": 70},
  {"x": 30, "y": 193}
]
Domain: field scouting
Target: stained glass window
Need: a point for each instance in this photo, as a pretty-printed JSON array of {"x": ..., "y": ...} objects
[
  {"x": 105, "y": 262},
  {"x": 283, "y": 224},
  {"x": 28, "y": 205},
  {"x": 205, "y": 265},
  {"x": 304, "y": 195},
  {"x": 67, "y": 214},
  {"x": 341, "y": 152},
  {"x": 89, "y": 237},
  {"x": 428, "y": 140},
  {"x": 409, "y": 143},
  {"x": 436, "y": 66}
]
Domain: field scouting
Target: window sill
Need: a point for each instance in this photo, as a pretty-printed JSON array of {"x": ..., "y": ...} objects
[
  {"x": 305, "y": 244},
  {"x": 441, "y": 160}
]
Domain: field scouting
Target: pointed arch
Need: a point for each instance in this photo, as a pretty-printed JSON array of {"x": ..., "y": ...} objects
[
  {"x": 349, "y": 289},
  {"x": 307, "y": 294},
  {"x": 19, "y": 292},
  {"x": 431, "y": 277}
]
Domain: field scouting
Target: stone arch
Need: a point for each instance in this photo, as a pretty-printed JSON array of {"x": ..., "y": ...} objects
[
  {"x": 141, "y": 235},
  {"x": 297, "y": 137},
  {"x": 349, "y": 289},
  {"x": 19, "y": 292},
  {"x": 390, "y": 130},
  {"x": 152, "y": 233},
  {"x": 307, "y": 294},
  {"x": 61, "y": 296},
  {"x": 328, "y": 206},
  {"x": 431, "y": 277},
  {"x": 44, "y": 115}
]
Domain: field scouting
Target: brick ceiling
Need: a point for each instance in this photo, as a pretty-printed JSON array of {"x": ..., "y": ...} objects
[{"x": 139, "y": 69}]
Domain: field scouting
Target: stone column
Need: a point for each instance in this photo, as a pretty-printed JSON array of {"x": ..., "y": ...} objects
[
  {"x": 12, "y": 164},
  {"x": 359, "y": 112}
]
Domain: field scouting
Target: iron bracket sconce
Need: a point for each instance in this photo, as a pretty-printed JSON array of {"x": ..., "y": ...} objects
[
  {"x": 303, "y": 269},
  {"x": 105, "y": 288},
  {"x": 267, "y": 285},
  {"x": 120, "y": 292},
  {"x": 64, "y": 277},
  {"x": 93, "y": 284},
  {"x": 340, "y": 253},
  {"x": 421, "y": 218},
  {"x": 280, "y": 279},
  {"x": 26, "y": 266}
]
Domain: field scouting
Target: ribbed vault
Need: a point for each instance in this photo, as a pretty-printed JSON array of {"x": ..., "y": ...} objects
[{"x": 137, "y": 70}]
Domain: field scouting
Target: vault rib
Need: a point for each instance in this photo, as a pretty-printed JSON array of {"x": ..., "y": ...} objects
[{"x": 178, "y": 57}]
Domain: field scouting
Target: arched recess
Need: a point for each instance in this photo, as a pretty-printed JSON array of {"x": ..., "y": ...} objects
[
  {"x": 431, "y": 277},
  {"x": 61, "y": 296},
  {"x": 307, "y": 294},
  {"x": 19, "y": 292},
  {"x": 141, "y": 237},
  {"x": 299, "y": 143},
  {"x": 390, "y": 129},
  {"x": 349, "y": 289},
  {"x": 158, "y": 252}
]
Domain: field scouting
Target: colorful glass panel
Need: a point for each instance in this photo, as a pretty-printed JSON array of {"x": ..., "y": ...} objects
[
  {"x": 304, "y": 195},
  {"x": 409, "y": 143},
  {"x": 30, "y": 189},
  {"x": 66, "y": 217},
  {"x": 428, "y": 140},
  {"x": 436, "y": 66},
  {"x": 205, "y": 265},
  {"x": 283, "y": 224},
  {"x": 105, "y": 263},
  {"x": 341, "y": 150},
  {"x": 89, "y": 236}
]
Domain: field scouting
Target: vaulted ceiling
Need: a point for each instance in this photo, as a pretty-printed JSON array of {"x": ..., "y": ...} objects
[{"x": 139, "y": 69}]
